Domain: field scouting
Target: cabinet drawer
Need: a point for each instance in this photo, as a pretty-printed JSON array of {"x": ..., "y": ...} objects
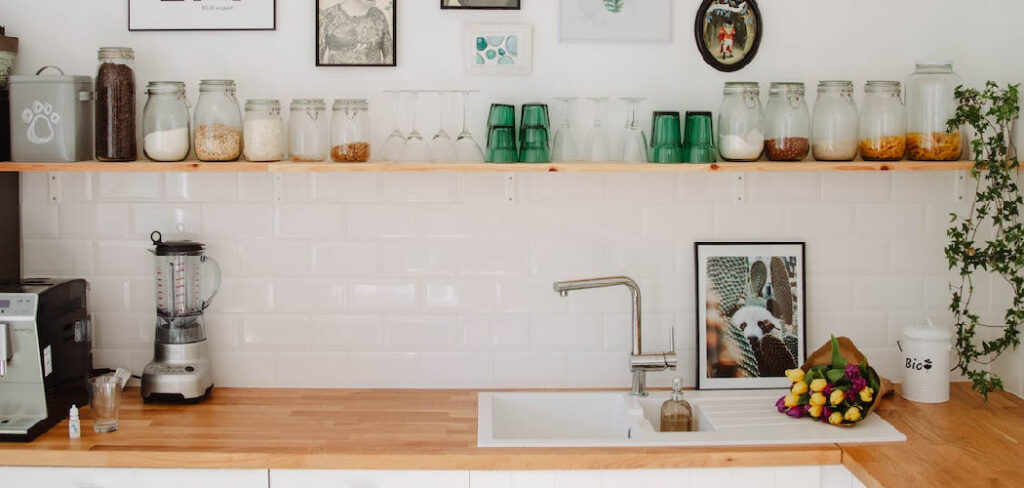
[{"x": 19, "y": 477}]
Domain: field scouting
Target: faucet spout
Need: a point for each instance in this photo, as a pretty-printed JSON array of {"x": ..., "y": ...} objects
[{"x": 564, "y": 287}]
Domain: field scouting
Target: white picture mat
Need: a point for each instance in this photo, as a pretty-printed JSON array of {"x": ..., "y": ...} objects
[
  {"x": 524, "y": 63},
  {"x": 638, "y": 21},
  {"x": 200, "y": 15},
  {"x": 704, "y": 251}
]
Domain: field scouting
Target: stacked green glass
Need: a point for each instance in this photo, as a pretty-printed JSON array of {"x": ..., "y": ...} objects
[
  {"x": 665, "y": 138},
  {"x": 533, "y": 135},
  {"x": 501, "y": 134},
  {"x": 697, "y": 141}
]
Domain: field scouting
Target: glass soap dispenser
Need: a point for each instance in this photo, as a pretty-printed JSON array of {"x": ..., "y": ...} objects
[{"x": 676, "y": 413}]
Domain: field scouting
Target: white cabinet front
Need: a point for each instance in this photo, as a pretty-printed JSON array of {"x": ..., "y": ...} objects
[
  {"x": 22, "y": 477},
  {"x": 368, "y": 479}
]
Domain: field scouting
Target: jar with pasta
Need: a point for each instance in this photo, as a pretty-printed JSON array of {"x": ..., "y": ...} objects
[
  {"x": 882, "y": 122},
  {"x": 835, "y": 122},
  {"x": 308, "y": 130},
  {"x": 930, "y": 103},
  {"x": 787, "y": 123},
  {"x": 350, "y": 131}
]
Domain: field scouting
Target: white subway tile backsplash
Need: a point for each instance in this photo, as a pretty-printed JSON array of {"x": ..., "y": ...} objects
[
  {"x": 785, "y": 186},
  {"x": 348, "y": 332},
  {"x": 529, "y": 296},
  {"x": 120, "y": 330},
  {"x": 566, "y": 187},
  {"x": 491, "y": 258},
  {"x": 677, "y": 223},
  {"x": 604, "y": 222},
  {"x": 912, "y": 256},
  {"x": 242, "y": 295},
  {"x": 457, "y": 369},
  {"x": 890, "y": 220},
  {"x": 821, "y": 220},
  {"x": 303, "y": 294},
  {"x": 295, "y": 187},
  {"x": 568, "y": 259},
  {"x": 275, "y": 331},
  {"x": 173, "y": 221},
  {"x": 345, "y": 187},
  {"x": 103, "y": 220},
  {"x": 75, "y": 187},
  {"x": 310, "y": 369},
  {"x": 256, "y": 187},
  {"x": 65, "y": 257},
  {"x": 234, "y": 220},
  {"x": 345, "y": 258},
  {"x": 123, "y": 258},
  {"x": 34, "y": 187},
  {"x": 889, "y": 293},
  {"x": 310, "y": 221},
  {"x": 849, "y": 256},
  {"x": 384, "y": 369},
  {"x": 382, "y": 221},
  {"x": 855, "y": 187},
  {"x": 419, "y": 332},
  {"x": 866, "y": 329},
  {"x": 201, "y": 187},
  {"x": 641, "y": 258},
  {"x": 127, "y": 186},
  {"x": 413, "y": 187},
  {"x": 632, "y": 188},
  {"x": 417, "y": 258},
  {"x": 566, "y": 332},
  {"x": 529, "y": 369},
  {"x": 459, "y": 295},
  {"x": 748, "y": 221},
  {"x": 108, "y": 295},
  {"x": 705, "y": 188},
  {"x": 484, "y": 187},
  {"x": 39, "y": 220},
  {"x": 494, "y": 331},
  {"x": 244, "y": 369},
  {"x": 268, "y": 258},
  {"x": 381, "y": 296},
  {"x": 598, "y": 369}
]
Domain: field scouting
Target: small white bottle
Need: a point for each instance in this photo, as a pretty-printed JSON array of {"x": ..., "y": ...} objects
[{"x": 74, "y": 423}]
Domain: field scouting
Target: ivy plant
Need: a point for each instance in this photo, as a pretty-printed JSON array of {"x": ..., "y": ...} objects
[{"x": 989, "y": 239}]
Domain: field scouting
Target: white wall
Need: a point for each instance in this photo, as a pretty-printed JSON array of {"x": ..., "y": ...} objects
[{"x": 430, "y": 279}]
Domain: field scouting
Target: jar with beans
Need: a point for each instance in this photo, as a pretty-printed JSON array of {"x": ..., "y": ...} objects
[
  {"x": 787, "y": 123},
  {"x": 350, "y": 131}
]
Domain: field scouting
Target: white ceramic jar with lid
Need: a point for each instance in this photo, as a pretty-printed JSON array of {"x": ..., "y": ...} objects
[{"x": 925, "y": 349}]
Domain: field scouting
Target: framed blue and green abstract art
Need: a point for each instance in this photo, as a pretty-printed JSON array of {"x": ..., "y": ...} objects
[{"x": 498, "y": 49}]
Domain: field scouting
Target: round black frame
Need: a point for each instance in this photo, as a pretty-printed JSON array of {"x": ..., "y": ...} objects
[{"x": 709, "y": 58}]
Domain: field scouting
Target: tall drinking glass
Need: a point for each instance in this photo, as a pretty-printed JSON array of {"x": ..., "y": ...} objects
[
  {"x": 105, "y": 402},
  {"x": 466, "y": 148},
  {"x": 596, "y": 145},
  {"x": 634, "y": 142},
  {"x": 442, "y": 149},
  {"x": 415, "y": 148},
  {"x": 392, "y": 147},
  {"x": 565, "y": 146}
]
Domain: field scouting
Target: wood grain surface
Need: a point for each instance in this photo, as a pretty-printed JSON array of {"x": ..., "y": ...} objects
[{"x": 557, "y": 167}]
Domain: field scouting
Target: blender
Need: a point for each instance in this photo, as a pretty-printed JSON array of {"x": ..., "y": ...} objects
[{"x": 180, "y": 370}]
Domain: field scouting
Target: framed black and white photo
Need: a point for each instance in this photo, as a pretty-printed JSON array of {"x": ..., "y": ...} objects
[
  {"x": 751, "y": 313},
  {"x": 355, "y": 33},
  {"x": 728, "y": 33},
  {"x": 481, "y": 4},
  {"x": 158, "y": 15}
]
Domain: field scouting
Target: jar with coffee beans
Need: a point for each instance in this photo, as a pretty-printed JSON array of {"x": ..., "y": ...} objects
[{"x": 115, "y": 105}]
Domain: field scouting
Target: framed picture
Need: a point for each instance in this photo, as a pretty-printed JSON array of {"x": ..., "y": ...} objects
[
  {"x": 157, "y": 15},
  {"x": 498, "y": 49},
  {"x": 356, "y": 33},
  {"x": 728, "y": 32},
  {"x": 481, "y": 4},
  {"x": 751, "y": 313},
  {"x": 615, "y": 20}
]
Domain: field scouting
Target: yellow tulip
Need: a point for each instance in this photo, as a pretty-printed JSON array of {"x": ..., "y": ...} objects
[
  {"x": 795, "y": 375},
  {"x": 836, "y": 418},
  {"x": 818, "y": 399},
  {"x": 792, "y": 400},
  {"x": 853, "y": 414},
  {"x": 815, "y": 411},
  {"x": 818, "y": 384},
  {"x": 867, "y": 394},
  {"x": 799, "y": 388},
  {"x": 837, "y": 397}
]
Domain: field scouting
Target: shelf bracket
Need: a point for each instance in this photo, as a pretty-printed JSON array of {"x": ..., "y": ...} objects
[
  {"x": 511, "y": 189},
  {"x": 53, "y": 187},
  {"x": 960, "y": 186},
  {"x": 278, "y": 187},
  {"x": 739, "y": 187}
]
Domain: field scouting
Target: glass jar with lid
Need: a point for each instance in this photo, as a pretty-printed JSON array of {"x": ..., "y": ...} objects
[
  {"x": 165, "y": 122},
  {"x": 263, "y": 131},
  {"x": 930, "y": 103},
  {"x": 218, "y": 122},
  {"x": 740, "y": 119},
  {"x": 787, "y": 123},
  {"x": 115, "y": 105},
  {"x": 882, "y": 122},
  {"x": 350, "y": 131},
  {"x": 308, "y": 130},
  {"x": 834, "y": 131}
]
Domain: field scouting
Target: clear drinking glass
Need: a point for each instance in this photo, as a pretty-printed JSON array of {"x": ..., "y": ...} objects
[
  {"x": 466, "y": 148},
  {"x": 415, "y": 148},
  {"x": 392, "y": 147},
  {"x": 565, "y": 147},
  {"x": 634, "y": 141},
  {"x": 596, "y": 145},
  {"x": 442, "y": 148},
  {"x": 105, "y": 402}
]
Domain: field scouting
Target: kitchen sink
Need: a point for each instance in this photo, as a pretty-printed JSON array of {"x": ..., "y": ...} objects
[{"x": 617, "y": 419}]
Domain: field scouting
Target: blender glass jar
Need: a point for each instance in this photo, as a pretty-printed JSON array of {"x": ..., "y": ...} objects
[
  {"x": 165, "y": 122},
  {"x": 787, "y": 123},
  {"x": 179, "y": 300},
  {"x": 882, "y": 122},
  {"x": 740, "y": 122},
  {"x": 218, "y": 122},
  {"x": 835, "y": 122},
  {"x": 930, "y": 103}
]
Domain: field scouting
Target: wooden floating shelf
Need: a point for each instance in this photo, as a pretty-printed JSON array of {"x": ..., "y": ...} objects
[{"x": 556, "y": 167}]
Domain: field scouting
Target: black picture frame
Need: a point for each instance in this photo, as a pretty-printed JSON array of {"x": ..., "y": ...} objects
[
  {"x": 394, "y": 40},
  {"x": 704, "y": 381},
  {"x": 705, "y": 51},
  {"x": 519, "y": 6},
  {"x": 128, "y": 20}
]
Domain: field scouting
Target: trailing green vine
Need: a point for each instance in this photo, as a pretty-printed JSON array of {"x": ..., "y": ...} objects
[{"x": 990, "y": 238}]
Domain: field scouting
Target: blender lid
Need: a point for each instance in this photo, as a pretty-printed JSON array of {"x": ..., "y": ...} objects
[{"x": 174, "y": 247}]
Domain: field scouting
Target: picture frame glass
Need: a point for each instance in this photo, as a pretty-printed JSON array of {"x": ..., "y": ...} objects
[
  {"x": 482, "y": 4},
  {"x": 355, "y": 33},
  {"x": 498, "y": 49},
  {"x": 751, "y": 314},
  {"x": 728, "y": 32},
  {"x": 159, "y": 15}
]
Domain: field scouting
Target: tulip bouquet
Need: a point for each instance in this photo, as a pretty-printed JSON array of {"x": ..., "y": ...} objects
[{"x": 839, "y": 392}]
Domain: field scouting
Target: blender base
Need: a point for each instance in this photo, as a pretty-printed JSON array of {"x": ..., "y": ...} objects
[{"x": 179, "y": 373}]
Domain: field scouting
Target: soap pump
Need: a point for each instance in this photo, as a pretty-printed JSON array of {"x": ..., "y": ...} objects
[{"x": 676, "y": 413}]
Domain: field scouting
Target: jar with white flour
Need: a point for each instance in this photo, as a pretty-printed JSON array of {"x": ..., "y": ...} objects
[
  {"x": 165, "y": 122},
  {"x": 740, "y": 118},
  {"x": 263, "y": 131}
]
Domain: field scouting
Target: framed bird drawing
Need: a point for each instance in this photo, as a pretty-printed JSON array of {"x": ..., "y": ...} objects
[{"x": 751, "y": 313}]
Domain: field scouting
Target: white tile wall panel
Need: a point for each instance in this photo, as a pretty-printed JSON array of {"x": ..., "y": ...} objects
[
  {"x": 484, "y": 187},
  {"x": 420, "y": 332},
  {"x": 458, "y": 295},
  {"x": 244, "y": 369},
  {"x": 614, "y": 299},
  {"x": 34, "y": 187},
  {"x": 39, "y": 220},
  {"x": 276, "y": 331},
  {"x": 303, "y": 294},
  {"x": 524, "y": 223},
  {"x": 640, "y": 258},
  {"x": 172, "y": 220},
  {"x": 348, "y": 332},
  {"x": 596, "y": 369},
  {"x": 736, "y": 221},
  {"x": 890, "y": 220},
  {"x": 108, "y": 295},
  {"x": 771, "y": 186},
  {"x": 242, "y": 295},
  {"x": 387, "y": 296},
  {"x": 489, "y": 258},
  {"x": 529, "y": 296},
  {"x": 96, "y": 220},
  {"x": 222, "y": 330},
  {"x": 127, "y": 186},
  {"x": 889, "y": 292},
  {"x": 310, "y": 221},
  {"x": 309, "y": 369},
  {"x": 632, "y": 188},
  {"x": 382, "y": 221},
  {"x": 529, "y": 369},
  {"x": 113, "y": 330},
  {"x": 235, "y": 220},
  {"x": 384, "y": 369},
  {"x": 123, "y": 258},
  {"x": 273, "y": 258},
  {"x": 414, "y": 258},
  {"x": 830, "y": 293},
  {"x": 201, "y": 187},
  {"x": 494, "y": 331},
  {"x": 412, "y": 187},
  {"x": 457, "y": 369},
  {"x": 608, "y": 222},
  {"x": 705, "y": 188},
  {"x": 677, "y": 223},
  {"x": 849, "y": 256},
  {"x": 296, "y": 187},
  {"x": 345, "y": 187},
  {"x": 922, "y": 186},
  {"x": 913, "y": 256},
  {"x": 819, "y": 221},
  {"x": 855, "y": 187},
  {"x": 566, "y": 332},
  {"x": 866, "y": 329},
  {"x": 566, "y": 187},
  {"x": 65, "y": 257},
  {"x": 345, "y": 258},
  {"x": 256, "y": 187},
  {"x": 75, "y": 187},
  {"x": 581, "y": 259}
]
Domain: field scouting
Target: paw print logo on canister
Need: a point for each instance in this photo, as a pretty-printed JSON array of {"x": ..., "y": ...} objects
[{"x": 40, "y": 119}]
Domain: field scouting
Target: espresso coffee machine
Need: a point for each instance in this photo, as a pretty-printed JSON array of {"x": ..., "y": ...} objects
[
  {"x": 180, "y": 371},
  {"x": 45, "y": 355}
]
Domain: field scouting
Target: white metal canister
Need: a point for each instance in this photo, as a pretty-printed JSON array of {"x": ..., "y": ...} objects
[{"x": 925, "y": 350}]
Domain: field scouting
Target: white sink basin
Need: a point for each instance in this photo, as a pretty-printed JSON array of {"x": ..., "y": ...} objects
[{"x": 616, "y": 419}]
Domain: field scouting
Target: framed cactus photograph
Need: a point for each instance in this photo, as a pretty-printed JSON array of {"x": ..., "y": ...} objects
[
  {"x": 615, "y": 20},
  {"x": 751, "y": 313}
]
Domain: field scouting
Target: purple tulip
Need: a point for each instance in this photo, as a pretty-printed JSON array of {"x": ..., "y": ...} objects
[
  {"x": 781, "y": 404},
  {"x": 829, "y": 388},
  {"x": 796, "y": 412},
  {"x": 825, "y": 413},
  {"x": 859, "y": 384},
  {"x": 851, "y": 395},
  {"x": 852, "y": 371}
]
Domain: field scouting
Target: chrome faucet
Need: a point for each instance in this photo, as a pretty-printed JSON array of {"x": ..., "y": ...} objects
[{"x": 639, "y": 363}]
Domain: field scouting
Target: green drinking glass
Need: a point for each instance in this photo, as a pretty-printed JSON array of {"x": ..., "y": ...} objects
[
  {"x": 536, "y": 114},
  {"x": 697, "y": 139},
  {"x": 501, "y": 144},
  {"x": 501, "y": 115},
  {"x": 665, "y": 139},
  {"x": 534, "y": 147}
]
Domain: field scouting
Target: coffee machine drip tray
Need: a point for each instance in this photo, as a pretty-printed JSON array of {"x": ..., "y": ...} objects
[{"x": 18, "y": 425}]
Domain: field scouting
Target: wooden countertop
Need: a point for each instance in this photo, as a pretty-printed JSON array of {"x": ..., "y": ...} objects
[{"x": 965, "y": 442}]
